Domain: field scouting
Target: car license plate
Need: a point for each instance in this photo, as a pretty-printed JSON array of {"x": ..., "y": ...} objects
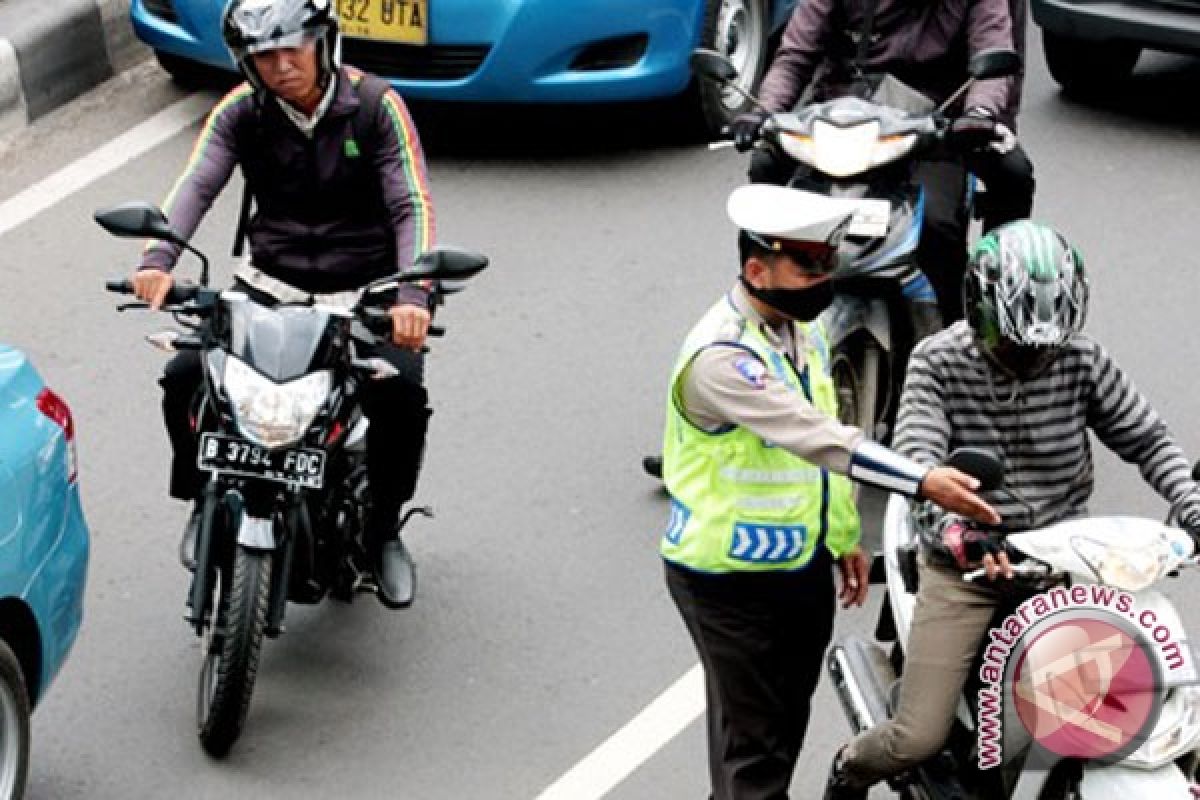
[
  {"x": 403, "y": 21},
  {"x": 229, "y": 454}
]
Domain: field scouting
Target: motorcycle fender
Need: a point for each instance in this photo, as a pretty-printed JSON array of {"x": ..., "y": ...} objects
[
  {"x": 848, "y": 315},
  {"x": 1116, "y": 782},
  {"x": 256, "y": 533}
]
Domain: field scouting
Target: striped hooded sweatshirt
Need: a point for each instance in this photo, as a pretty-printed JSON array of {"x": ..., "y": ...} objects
[
  {"x": 331, "y": 213},
  {"x": 953, "y": 397}
]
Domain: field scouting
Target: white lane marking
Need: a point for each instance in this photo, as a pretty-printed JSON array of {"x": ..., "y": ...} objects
[
  {"x": 28, "y": 203},
  {"x": 634, "y": 744}
]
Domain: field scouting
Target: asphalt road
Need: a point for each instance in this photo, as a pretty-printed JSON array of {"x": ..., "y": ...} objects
[{"x": 542, "y": 623}]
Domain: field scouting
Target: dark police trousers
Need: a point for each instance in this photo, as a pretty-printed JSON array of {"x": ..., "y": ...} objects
[
  {"x": 396, "y": 408},
  {"x": 761, "y": 638},
  {"x": 942, "y": 252}
]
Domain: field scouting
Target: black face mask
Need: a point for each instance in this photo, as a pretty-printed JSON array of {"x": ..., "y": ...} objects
[{"x": 802, "y": 305}]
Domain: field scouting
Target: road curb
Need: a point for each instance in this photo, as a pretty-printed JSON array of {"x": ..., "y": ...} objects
[{"x": 51, "y": 52}]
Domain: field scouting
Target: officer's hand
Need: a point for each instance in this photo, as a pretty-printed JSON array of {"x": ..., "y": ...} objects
[
  {"x": 745, "y": 129},
  {"x": 151, "y": 286},
  {"x": 410, "y": 325},
  {"x": 855, "y": 567},
  {"x": 955, "y": 491}
]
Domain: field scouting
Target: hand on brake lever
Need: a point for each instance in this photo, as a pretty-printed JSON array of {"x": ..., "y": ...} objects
[
  {"x": 152, "y": 285},
  {"x": 746, "y": 129},
  {"x": 978, "y": 130}
]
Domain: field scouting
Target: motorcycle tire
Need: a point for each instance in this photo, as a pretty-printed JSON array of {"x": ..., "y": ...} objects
[
  {"x": 232, "y": 651},
  {"x": 740, "y": 30},
  {"x": 14, "y": 726},
  {"x": 858, "y": 376}
]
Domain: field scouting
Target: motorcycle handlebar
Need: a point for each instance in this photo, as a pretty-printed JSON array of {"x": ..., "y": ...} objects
[
  {"x": 176, "y": 296},
  {"x": 379, "y": 322}
]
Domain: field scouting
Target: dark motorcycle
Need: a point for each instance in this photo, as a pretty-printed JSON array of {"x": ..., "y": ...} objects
[
  {"x": 283, "y": 440},
  {"x": 855, "y": 148}
]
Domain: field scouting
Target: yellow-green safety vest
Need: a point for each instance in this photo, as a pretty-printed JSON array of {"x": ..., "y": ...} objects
[{"x": 738, "y": 503}]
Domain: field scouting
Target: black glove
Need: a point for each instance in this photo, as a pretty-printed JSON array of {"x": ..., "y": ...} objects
[
  {"x": 745, "y": 129},
  {"x": 975, "y": 130}
]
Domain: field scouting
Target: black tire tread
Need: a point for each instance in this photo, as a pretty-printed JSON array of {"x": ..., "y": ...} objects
[
  {"x": 243, "y": 618},
  {"x": 12, "y": 674}
]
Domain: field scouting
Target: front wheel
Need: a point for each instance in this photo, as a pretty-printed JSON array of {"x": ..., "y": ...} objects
[
  {"x": 242, "y": 594},
  {"x": 14, "y": 726},
  {"x": 739, "y": 30},
  {"x": 858, "y": 376},
  {"x": 1088, "y": 68}
]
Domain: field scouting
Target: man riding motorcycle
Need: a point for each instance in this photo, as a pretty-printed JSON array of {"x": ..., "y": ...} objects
[
  {"x": 335, "y": 168},
  {"x": 844, "y": 47},
  {"x": 1020, "y": 380}
]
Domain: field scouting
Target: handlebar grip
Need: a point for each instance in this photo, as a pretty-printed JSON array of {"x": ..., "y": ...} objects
[
  {"x": 377, "y": 322},
  {"x": 181, "y": 294},
  {"x": 437, "y": 330},
  {"x": 119, "y": 287}
]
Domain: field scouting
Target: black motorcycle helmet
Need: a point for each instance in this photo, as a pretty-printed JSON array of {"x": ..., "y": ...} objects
[
  {"x": 253, "y": 26},
  {"x": 1025, "y": 294}
]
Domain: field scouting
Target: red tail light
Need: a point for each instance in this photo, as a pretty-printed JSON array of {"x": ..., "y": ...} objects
[{"x": 56, "y": 409}]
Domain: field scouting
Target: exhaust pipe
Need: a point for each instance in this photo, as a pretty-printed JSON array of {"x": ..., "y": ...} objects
[{"x": 863, "y": 677}]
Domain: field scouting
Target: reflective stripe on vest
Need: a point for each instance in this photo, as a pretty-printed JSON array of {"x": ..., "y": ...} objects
[{"x": 739, "y": 503}]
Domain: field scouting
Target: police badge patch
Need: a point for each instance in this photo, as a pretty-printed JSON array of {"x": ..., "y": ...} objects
[{"x": 753, "y": 370}]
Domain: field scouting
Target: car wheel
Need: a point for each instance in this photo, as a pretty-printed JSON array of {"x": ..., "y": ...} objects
[
  {"x": 14, "y": 726},
  {"x": 739, "y": 30},
  {"x": 1088, "y": 68}
]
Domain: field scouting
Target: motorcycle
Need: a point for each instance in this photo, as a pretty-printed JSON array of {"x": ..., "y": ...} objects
[
  {"x": 283, "y": 441},
  {"x": 1131, "y": 555},
  {"x": 850, "y": 147}
]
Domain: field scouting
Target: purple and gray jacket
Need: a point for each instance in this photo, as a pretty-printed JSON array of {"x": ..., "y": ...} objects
[
  {"x": 924, "y": 43},
  {"x": 331, "y": 213}
]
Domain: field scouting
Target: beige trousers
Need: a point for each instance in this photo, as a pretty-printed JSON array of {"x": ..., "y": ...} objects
[{"x": 950, "y": 620}]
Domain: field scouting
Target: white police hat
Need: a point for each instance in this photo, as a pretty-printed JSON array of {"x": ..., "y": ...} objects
[{"x": 785, "y": 216}]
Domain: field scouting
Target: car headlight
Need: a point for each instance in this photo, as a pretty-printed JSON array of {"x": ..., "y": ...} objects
[
  {"x": 1128, "y": 568},
  {"x": 274, "y": 414},
  {"x": 1176, "y": 733}
]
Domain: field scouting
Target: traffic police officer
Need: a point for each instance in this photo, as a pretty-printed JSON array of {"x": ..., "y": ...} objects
[{"x": 755, "y": 463}]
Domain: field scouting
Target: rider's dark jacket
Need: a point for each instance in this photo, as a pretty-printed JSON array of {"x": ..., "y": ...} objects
[
  {"x": 331, "y": 212},
  {"x": 924, "y": 43}
]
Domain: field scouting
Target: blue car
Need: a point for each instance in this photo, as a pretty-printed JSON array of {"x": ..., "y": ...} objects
[
  {"x": 512, "y": 51},
  {"x": 43, "y": 553}
]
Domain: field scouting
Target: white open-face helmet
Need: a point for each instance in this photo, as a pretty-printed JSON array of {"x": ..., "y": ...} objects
[{"x": 254, "y": 26}]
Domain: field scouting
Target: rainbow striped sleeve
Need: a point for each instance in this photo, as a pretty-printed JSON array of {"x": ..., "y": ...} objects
[
  {"x": 207, "y": 171},
  {"x": 406, "y": 189}
]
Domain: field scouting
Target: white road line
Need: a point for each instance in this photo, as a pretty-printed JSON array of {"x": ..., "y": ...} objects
[
  {"x": 634, "y": 744},
  {"x": 30, "y": 202}
]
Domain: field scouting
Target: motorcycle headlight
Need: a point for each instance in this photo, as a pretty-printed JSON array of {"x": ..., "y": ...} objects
[
  {"x": 892, "y": 148},
  {"x": 842, "y": 152},
  {"x": 274, "y": 414},
  {"x": 1176, "y": 733},
  {"x": 1128, "y": 568}
]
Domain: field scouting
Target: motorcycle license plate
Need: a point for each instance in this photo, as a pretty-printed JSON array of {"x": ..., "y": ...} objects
[
  {"x": 229, "y": 454},
  {"x": 401, "y": 21},
  {"x": 871, "y": 219}
]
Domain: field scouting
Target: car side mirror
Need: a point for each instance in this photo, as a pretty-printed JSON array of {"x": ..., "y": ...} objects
[
  {"x": 138, "y": 220},
  {"x": 980, "y": 464},
  {"x": 713, "y": 66},
  {"x": 996, "y": 63}
]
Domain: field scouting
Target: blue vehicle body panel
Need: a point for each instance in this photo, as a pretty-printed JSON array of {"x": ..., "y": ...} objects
[
  {"x": 531, "y": 45},
  {"x": 44, "y": 539}
]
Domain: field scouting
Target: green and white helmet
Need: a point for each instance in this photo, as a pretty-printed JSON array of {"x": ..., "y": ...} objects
[{"x": 1025, "y": 295}]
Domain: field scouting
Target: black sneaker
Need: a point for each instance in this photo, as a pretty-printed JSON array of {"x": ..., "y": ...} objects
[
  {"x": 839, "y": 787},
  {"x": 396, "y": 575},
  {"x": 653, "y": 466},
  {"x": 187, "y": 545}
]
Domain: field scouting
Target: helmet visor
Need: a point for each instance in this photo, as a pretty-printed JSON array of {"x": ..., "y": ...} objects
[{"x": 288, "y": 41}]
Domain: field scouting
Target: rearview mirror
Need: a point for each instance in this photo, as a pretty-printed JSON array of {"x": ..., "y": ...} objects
[
  {"x": 445, "y": 264},
  {"x": 980, "y": 464},
  {"x": 712, "y": 65},
  {"x": 137, "y": 220},
  {"x": 998, "y": 63}
]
